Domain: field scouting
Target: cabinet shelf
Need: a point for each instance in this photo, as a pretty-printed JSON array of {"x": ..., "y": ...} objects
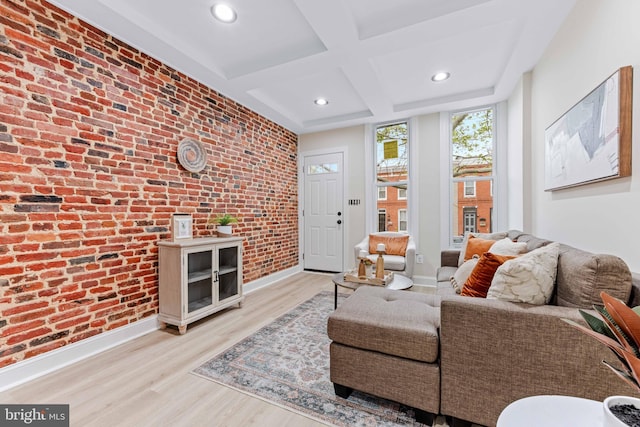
[
  {"x": 197, "y": 276},
  {"x": 201, "y": 303},
  {"x": 224, "y": 269}
]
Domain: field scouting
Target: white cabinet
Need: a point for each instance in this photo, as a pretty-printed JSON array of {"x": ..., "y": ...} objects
[{"x": 198, "y": 277}]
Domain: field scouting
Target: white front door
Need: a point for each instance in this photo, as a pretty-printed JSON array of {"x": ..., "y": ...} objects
[{"x": 323, "y": 212}]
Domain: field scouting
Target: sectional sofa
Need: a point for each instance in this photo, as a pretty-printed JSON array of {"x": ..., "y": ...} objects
[{"x": 468, "y": 358}]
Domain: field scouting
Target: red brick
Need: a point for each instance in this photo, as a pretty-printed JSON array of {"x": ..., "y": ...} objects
[
  {"x": 28, "y": 335},
  {"x": 72, "y": 322},
  {"x": 45, "y": 348},
  {"x": 12, "y": 330},
  {"x": 31, "y": 315},
  {"x": 24, "y": 308},
  {"x": 70, "y": 296},
  {"x": 105, "y": 164}
]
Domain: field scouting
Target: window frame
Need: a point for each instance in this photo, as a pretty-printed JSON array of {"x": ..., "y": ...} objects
[
  {"x": 379, "y": 188},
  {"x": 371, "y": 220},
  {"x": 464, "y": 190},
  {"x": 405, "y": 194},
  {"x": 497, "y": 178},
  {"x": 405, "y": 220}
]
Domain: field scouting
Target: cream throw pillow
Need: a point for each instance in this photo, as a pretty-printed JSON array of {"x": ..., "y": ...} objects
[
  {"x": 507, "y": 246},
  {"x": 486, "y": 236},
  {"x": 529, "y": 278},
  {"x": 462, "y": 273}
]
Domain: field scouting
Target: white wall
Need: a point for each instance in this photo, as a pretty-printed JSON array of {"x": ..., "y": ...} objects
[
  {"x": 426, "y": 148},
  {"x": 353, "y": 139},
  {"x": 518, "y": 130},
  {"x": 598, "y": 37}
]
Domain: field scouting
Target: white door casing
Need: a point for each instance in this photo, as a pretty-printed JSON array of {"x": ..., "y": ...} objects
[{"x": 323, "y": 212}]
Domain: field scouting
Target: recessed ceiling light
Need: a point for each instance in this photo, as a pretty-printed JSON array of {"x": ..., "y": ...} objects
[
  {"x": 440, "y": 77},
  {"x": 223, "y": 12},
  {"x": 321, "y": 101}
]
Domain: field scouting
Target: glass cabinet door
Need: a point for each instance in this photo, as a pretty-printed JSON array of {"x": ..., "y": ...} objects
[
  {"x": 227, "y": 276},
  {"x": 199, "y": 276}
]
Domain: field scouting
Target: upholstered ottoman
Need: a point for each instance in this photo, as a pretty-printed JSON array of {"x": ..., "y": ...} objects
[{"x": 385, "y": 343}]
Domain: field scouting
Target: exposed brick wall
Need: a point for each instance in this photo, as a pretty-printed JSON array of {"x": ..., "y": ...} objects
[{"x": 89, "y": 129}]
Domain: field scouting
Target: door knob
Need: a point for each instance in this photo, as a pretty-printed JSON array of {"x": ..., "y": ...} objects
[
  {"x": 339, "y": 213},
  {"x": 339, "y": 221}
]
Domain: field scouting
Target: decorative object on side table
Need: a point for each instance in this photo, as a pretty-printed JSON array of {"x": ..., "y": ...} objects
[
  {"x": 379, "y": 277},
  {"x": 618, "y": 329},
  {"x": 380, "y": 261},
  {"x": 181, "y": 227},
  {"x": 352, "y": 276},
  {"x": 364, "y": 263},
  {"x": 224, "y": 224}
]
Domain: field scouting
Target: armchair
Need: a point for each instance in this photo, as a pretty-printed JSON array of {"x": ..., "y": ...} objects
[{"x": 396, "y": 263}]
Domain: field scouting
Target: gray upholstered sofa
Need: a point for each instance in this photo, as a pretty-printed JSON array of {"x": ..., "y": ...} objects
[
  {"x": 494, "y": 352},
  {"x": 490, "y": 352}
]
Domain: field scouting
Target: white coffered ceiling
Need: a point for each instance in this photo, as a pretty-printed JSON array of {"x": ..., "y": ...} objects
[{"x": 372, "y": 59}]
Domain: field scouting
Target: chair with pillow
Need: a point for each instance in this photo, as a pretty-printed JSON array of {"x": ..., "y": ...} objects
[{"x": 400, "y": 251}]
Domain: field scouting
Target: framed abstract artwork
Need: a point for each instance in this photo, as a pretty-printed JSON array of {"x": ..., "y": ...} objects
[{"x": 592, "y": 141}]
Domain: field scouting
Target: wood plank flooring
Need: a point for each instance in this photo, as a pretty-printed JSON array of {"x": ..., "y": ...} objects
[{"x": 147, "y": 382}]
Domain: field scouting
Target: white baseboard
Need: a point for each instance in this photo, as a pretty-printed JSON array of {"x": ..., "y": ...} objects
[
  {"x": 262, "y": 282},
  {"x": 27, "y": 370}
]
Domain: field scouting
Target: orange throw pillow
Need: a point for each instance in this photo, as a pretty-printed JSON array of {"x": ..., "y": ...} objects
[
  {"x": 477, "y": 246},
  {"x": 478, "y": 283},
  {"x": 392, "y": 245}
]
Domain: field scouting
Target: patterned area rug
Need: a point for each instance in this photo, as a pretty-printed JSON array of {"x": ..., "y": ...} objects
[{"x": 287, "y": 363}]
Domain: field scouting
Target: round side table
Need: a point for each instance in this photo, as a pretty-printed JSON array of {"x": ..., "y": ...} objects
[
  {"x": 552, "y": 411},
  {"x": 399, "y": 282}
]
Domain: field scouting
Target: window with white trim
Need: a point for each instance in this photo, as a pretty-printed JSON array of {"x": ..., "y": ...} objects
[
  {"x": 472, "y": 172},
  {"x": 382, "y": 193},
  {"x": 402, "y": 220},
  {"x": 402, "y": 194},
  {"x": 469, "y": 189},
  {"x": 392, "y": 174}
]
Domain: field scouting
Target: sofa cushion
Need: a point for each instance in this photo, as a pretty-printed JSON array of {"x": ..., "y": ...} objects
[
  {"x": 583, "y": 275},
  {"x": 444, "y": 274},
  {"x": 444, "y": 289},
  {"x": 486, "y": 236},
  {"x": 529, "y": 278},
  {"x": 394, "y": 245},
  {"x": 507, "y": 246},
  {"x": 462, "y": 274},
  {"x": 532, "y": 242},
  {"x": 476, "y": 247},
  {"x": 399, "y": 323},
  {"x": 391, "y": 262},
  {"x": 479, "y": 281}
]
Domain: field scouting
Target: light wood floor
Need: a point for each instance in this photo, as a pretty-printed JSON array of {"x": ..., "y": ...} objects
[{"x": 147, "y": 382}]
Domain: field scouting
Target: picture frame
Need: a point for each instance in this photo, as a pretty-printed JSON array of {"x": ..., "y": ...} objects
[
  {"x": 591, "y": 142},
  {"x": 181, "y": 227}
]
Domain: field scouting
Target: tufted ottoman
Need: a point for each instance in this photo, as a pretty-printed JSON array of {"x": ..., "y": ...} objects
[{"x": 385, "y": 343}]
